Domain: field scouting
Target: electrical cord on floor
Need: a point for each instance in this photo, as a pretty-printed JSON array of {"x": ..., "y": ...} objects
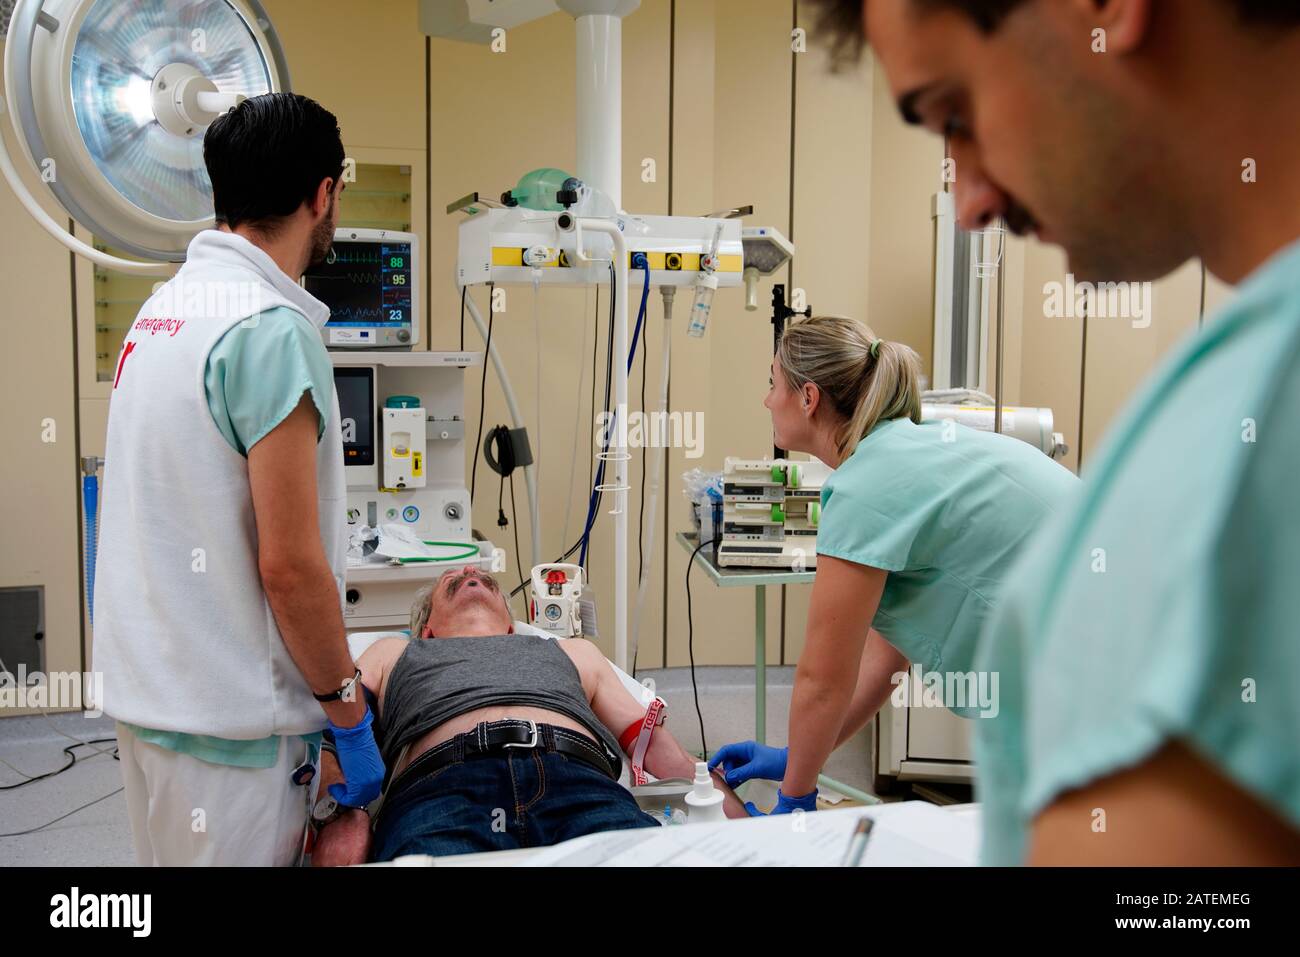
[
  {"x": 82, "y": 741},
  {"x": 69, "y": 751},
  {"x": 59, "y": 731},
  {"x": 690, "y": 643},
  {"x": 41, "y": 827}
]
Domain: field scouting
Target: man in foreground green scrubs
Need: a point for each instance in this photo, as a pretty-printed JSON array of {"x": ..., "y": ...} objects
[{"x": 1149, "y": 650}]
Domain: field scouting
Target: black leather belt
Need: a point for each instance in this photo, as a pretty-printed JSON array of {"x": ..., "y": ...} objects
[{"x": 500, "y": 738}]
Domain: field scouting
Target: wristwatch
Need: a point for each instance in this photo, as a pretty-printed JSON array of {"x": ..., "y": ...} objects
[
  {"x": 326, "y": 811},
  {"x": 345, "y": 693}
]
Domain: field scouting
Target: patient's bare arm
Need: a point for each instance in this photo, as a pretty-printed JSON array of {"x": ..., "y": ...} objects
[
  {"x": 346, "y": 840},
  {"x": 617, "y": 709}
]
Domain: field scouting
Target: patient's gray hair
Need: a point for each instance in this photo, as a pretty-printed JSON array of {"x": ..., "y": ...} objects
[{"x": 420, "y": 608}]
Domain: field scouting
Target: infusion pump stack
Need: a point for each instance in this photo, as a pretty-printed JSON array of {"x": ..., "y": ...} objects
[{"x": 402, "y": 414}]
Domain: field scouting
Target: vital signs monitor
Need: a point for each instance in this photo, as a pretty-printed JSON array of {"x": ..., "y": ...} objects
[{"x": 369, "y": 281}]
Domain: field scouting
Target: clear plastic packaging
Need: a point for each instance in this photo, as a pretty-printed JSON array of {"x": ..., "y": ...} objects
[{"x": 702, "y": 489}]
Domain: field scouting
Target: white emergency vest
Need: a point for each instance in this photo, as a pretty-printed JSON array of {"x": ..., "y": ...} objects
[{"x": 183, "y": 632}]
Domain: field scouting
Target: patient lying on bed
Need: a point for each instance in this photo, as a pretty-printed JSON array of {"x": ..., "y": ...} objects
[{"x": 493, "y": 740}]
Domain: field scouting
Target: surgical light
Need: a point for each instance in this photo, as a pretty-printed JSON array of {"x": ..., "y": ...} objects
[{"x": 109, "y": 102}]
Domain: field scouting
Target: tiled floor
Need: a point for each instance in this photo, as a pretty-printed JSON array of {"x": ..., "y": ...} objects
[{"x": 99, "y": 834}]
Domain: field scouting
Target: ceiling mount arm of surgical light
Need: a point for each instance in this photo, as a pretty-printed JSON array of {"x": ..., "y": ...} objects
[
  {"x": 185, "y": 101},
  {"x": 51, "y": 226},
  {"x": 22, "y": 29}
]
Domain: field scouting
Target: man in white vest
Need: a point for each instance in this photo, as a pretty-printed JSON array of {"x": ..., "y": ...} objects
[{"x": 219, "y": 626}]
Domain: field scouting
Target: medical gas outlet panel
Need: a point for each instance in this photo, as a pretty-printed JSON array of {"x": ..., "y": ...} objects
[
  {"x": 522, "y": 245},
  {"x": 403, "y": 421}
]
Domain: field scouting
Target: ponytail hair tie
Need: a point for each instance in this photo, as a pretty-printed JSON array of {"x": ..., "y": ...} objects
[{"x": 875, "y": 348}]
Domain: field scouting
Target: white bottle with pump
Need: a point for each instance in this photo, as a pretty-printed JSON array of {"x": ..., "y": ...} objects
[{"x": 704, "y": 802}]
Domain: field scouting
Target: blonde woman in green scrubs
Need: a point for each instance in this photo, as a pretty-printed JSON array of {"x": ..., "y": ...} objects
[{"x": 920, "y": 523}]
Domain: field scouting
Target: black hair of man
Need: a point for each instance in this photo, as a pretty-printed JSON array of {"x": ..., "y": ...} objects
[{"x": 267, "y": 156}]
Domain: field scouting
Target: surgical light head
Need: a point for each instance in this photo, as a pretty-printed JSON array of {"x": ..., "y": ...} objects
[{"x": 110, "y": 101}]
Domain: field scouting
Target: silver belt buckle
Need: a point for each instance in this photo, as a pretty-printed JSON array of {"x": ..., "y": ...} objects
[{"x": 533, "y": 740}]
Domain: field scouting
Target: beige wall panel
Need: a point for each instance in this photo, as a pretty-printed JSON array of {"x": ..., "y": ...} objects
[
  {"x": 39, "y": 477},
  {"x": 750, "y": 128},
  {"x": 695, "y": 148},
  {"x": 1049, "y": 347},
  {"x": 833, "y": 212},
  {"x": 364, "y": 62},
  {"x": 694, "y": 154},
  {"x": 905, "y": 173}
]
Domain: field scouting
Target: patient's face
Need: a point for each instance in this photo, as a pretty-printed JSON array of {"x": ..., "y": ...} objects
[{"x": 465, "y": 595}]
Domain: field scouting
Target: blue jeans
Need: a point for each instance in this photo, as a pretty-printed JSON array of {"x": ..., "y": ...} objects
[{"x": 497, "y": 802}]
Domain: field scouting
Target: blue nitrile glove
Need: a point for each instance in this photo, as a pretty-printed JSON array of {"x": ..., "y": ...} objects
[
  {"x": 363, "y": 768},
  {"x": 786, "y": 805},
  {"x": 749, "y": 759}
]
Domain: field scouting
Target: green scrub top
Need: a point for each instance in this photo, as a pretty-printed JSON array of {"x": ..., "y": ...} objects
[
  {"x": 945, "y": 510},
  {"x": 1166, "y": 605},
  {"x": 255, "y": 376}
]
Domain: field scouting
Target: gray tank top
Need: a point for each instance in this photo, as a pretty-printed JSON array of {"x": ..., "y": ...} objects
[{"x": 437, "y": 679}]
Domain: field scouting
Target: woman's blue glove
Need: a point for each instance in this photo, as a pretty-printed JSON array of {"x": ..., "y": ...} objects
[
  {"x": 786, "y": 805},
  {"x": 749, "y": 759},
  {"x": 359, "y": 759}
]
